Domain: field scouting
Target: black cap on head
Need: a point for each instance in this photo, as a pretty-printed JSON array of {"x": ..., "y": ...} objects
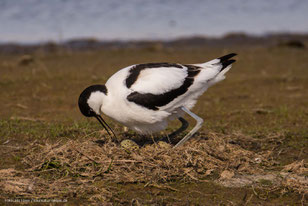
[{"x": 84, "y": 96}]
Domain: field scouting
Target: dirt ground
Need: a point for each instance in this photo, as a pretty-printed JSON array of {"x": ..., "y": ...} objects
[{"x": 251, "y": 150}]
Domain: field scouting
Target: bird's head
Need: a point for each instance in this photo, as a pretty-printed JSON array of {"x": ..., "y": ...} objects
[
  {"x": 90, "y": 103},
  {"x": 91, "y": 100}
]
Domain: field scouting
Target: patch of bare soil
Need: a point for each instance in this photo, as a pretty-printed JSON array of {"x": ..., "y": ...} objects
[{"x": 82, "y": 168}]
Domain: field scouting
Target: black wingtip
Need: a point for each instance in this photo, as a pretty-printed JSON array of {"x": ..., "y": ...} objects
[
  {"x": 226, "y": 60},
  {"x": 226, "y": 63},
  {"x": 226, "y": 57}
]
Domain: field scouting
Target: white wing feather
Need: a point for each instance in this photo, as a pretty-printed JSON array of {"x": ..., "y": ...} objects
[{"x": 159, "y": 80}]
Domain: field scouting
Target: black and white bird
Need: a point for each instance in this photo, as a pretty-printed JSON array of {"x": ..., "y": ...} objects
[{"x": 144, "y": 97}]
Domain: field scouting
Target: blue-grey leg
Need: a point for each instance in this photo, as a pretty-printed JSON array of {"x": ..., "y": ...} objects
[{"x": 194, "y": 130}]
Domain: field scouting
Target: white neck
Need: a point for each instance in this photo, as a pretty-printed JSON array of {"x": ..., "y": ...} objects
[{"x": 95, "y": 101}]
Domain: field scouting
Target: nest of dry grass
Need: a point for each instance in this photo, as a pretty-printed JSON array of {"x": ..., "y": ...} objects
[
  {"x": 76, "y": 166},
  {"x": 152, "y": 162}
]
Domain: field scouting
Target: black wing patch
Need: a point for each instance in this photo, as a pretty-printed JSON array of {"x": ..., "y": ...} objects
[
  {"x": 153, "y": 101},
  {"x": 226, "y": 60},
  {"x": 135, "y": 71}
]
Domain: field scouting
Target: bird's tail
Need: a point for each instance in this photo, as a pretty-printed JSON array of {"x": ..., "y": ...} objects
[
  {"x": 225, "y": 63},
  {"x": 217, "y": 68},
  {"x": 226, "y": 60}
]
